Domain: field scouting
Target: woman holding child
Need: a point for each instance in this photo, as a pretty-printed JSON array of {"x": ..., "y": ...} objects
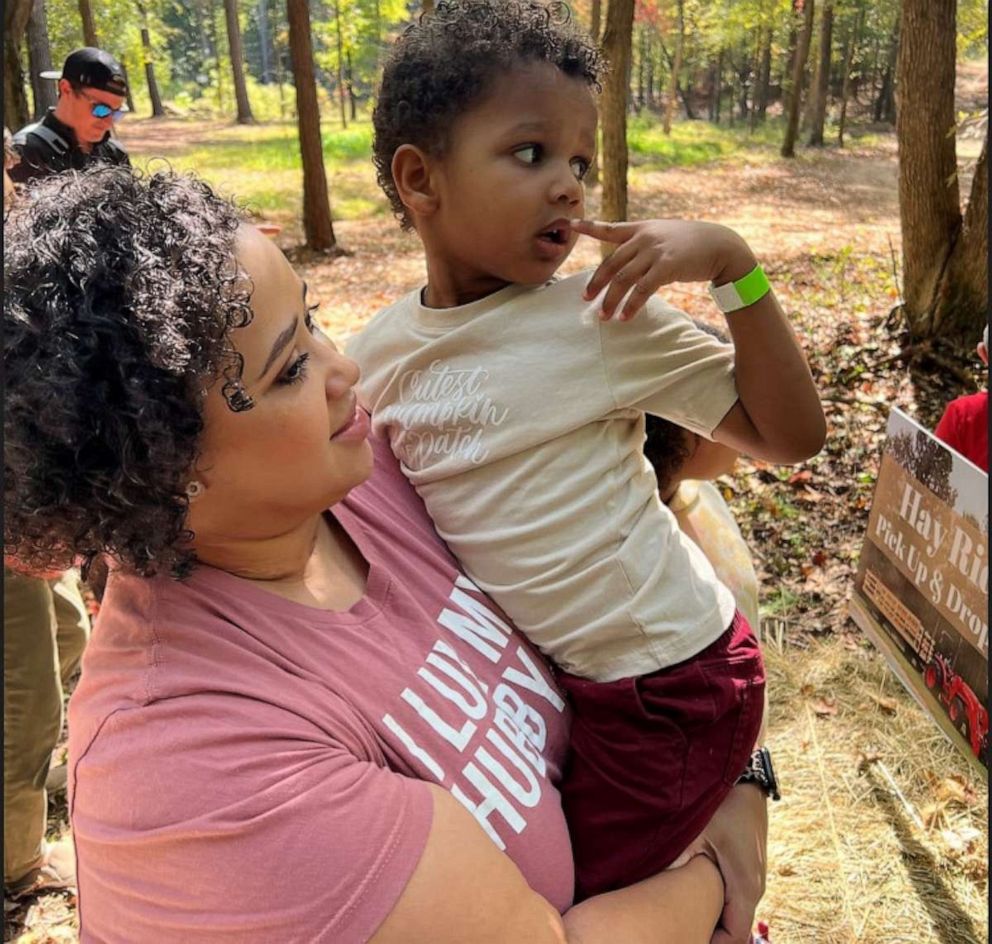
[
  {"x": 297, "y": 719},
  {"x": 311, "y": 735}
]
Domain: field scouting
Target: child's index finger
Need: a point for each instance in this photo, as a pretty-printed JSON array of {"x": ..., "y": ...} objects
[{"x": 603, "y": 230}]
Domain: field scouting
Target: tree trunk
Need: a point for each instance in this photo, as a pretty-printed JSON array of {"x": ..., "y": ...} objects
[
  {"x": 146, "y": 47},
  {"x": 796, "y": 90},
  {"x": 592, "y": 175},
  {"x": 963, "y": 290},
  {"x": 341, "y": 93},
  {"x": 641, "y": 56},
  {"x": 129, "y": 95},
  {"x": 673, "y": 81},
  {"x": 263, "y": 41},
  {"x": 875, "y": 67},
  {"x": 680, "y": 89},
  {"x": 717, "y": 90},
  {"x": 595, "y": 25},
  {"x": 89, "y": 25},
  {"x": 15, "y": 102},
  {"x": 810, "y": 76},
  {"x": 214, "y": 43},
  {"x": 428, "y": 6},
  {"x": 822, "y": 76},
  {"x": 850, "y": 51},
  {"x": 237, "y": 52},
  {"x": 929, "y": 198},
  {"x": 317, "y": 225},
  {"x": 281, "y": 83},
  {"x": 885, "y": 103},
  {"x": 649, "y": 81},
  {"x": 744, "y": 77},
  {"x": 40, "y": 60},
  {"x": 350, "y": 85},
  {"x": 616, "y": 46},
  {"x": 759, "y": 105}
]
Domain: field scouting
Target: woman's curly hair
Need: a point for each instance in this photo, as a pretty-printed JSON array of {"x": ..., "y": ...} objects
[
  {"x": 668, "y": 446},
  {"x": 446, "y": 62},
  {"x": 120, "y": 293}
]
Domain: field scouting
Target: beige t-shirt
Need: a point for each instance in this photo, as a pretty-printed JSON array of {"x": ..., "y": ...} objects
[{"x": 519, "y": 418}]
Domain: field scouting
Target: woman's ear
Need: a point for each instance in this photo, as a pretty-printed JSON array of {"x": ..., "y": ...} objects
[{"x": 414, "y": 181}]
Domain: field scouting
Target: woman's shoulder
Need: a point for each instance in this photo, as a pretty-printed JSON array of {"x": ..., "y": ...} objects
[{"x": 387, "y": 506}]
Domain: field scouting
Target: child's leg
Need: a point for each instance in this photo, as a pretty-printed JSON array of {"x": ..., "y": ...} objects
[
  {"x": 688, "y": 902},
  {"x": 653, "y": 757}
]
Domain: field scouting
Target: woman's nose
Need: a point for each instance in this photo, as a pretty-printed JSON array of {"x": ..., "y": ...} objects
[{"x": 343, "y": 375}]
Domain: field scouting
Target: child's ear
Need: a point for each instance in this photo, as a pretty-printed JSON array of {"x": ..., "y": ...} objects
[{"x": 411, "y": 169}]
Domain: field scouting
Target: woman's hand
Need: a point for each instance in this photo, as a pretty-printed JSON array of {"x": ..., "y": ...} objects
[
  {"x": 653, "y": 253},
  {"x": 736, "y": 839}
]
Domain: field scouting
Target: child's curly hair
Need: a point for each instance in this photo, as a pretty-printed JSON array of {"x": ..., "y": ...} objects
[
  {"x": 442, "y": 65},
  {"x": 120, "y": 293}
]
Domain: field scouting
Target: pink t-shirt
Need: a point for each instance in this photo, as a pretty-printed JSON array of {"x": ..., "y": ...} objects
[{"x": 248, "y": 769}]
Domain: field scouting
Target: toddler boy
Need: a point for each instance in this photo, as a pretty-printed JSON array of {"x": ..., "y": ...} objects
[{"x": 515, "y": 404}]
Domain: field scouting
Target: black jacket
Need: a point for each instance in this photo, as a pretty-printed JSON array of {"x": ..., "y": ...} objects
[{"x": 49, "y": 147}]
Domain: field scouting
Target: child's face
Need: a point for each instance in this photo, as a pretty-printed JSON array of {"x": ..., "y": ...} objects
[{"x": 509, "y": 183}]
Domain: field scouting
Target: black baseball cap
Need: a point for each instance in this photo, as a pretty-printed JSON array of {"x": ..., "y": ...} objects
[{"x": 92, "y": 68}]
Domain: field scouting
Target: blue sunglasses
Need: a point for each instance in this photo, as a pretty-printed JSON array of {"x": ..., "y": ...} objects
[{"x": 100, "y": 110}]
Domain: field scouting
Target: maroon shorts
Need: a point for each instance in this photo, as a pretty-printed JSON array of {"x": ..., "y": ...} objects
[{"x": 653, "y": 757}]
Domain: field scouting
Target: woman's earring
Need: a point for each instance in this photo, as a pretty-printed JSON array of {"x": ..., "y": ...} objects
[{"x": 194, "y": 490}]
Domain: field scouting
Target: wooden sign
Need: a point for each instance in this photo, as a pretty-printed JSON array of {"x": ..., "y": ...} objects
[{"x": 922, "y": 589}]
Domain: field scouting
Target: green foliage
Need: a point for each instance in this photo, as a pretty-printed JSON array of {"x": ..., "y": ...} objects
[
  {"x": 366, "y": 28},
  {"x": 189, "y": 45},
  {"x": 973, "y": 28}
]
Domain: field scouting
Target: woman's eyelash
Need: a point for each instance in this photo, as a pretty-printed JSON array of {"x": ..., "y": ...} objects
[
  {"x": 295, "y": 372},
  {"x": 308, "y": 319}
]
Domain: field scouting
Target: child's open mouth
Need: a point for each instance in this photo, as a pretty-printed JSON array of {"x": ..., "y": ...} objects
[{"x": 557, "y": 233}]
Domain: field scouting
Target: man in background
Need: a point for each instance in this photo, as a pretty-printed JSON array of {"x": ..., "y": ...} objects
[
  {"x": 45, "y": 629},
  {"x": 76, "y": 131}
]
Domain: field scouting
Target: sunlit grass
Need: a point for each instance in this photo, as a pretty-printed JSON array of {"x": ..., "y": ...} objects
[
  {"x": 693, "y": 142},
  {"x": 700, "y": 142},
  {"x": 260, "y": 164}
]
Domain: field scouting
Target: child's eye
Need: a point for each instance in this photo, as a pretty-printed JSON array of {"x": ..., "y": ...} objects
[
  {"x": 529, "y": 153},
  {"x": 294, "y": 372},
  {"x": 580, "y": 167}
]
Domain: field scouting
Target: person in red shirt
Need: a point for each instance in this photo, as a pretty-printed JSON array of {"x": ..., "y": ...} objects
[{"x": 965, "y": 423}]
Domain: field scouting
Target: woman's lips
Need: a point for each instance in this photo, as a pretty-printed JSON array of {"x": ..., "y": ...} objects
[{"x": 355, "y": 429}]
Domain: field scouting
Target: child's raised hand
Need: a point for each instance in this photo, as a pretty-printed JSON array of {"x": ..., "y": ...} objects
[{"x": 653, "y": 253}]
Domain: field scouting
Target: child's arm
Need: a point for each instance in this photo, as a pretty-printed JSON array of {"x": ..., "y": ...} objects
[{"x": 778, "y": 416}]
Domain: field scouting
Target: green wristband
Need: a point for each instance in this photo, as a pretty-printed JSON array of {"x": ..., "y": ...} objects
[{"x": 745, "y": 291}]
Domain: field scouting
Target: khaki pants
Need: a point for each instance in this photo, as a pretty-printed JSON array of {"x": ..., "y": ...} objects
[{"x": 45, "y": 628}]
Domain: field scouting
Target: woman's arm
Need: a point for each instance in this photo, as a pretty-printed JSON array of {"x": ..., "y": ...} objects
[{"x": 465, "y": 889}]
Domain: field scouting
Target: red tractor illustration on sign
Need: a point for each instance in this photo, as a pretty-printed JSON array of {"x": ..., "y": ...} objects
[{"x": 962, "y": 703}]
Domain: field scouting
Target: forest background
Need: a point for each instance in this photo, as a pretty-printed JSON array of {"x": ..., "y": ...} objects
[{"x": 847, "y": 141}]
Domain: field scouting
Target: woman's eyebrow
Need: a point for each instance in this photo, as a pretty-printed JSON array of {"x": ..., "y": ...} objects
[{"x": 284, "y": 338}]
